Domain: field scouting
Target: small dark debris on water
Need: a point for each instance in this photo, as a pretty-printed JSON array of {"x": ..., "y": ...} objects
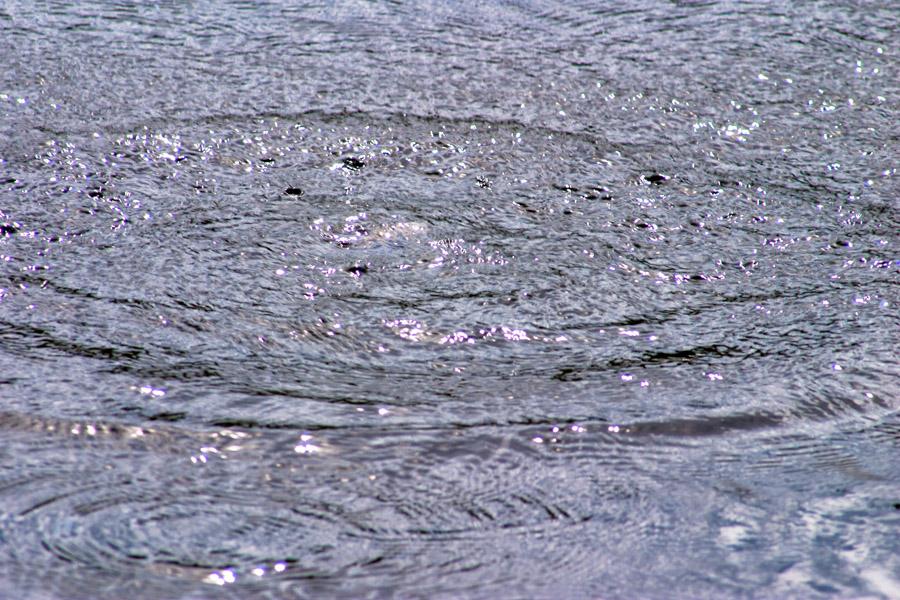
[
  {"x": 483, "y": 181},
  {"x": 293, "y": 191},
  {"x": 95, "y": 192},
  {"x": 9, "y": 229},
  {"x": 353, "y": 163},
  {"x": 597, "y": 192},
  {"x": 656, "y": 178},
  {"x": 593, "y": 196},
  {"x": 357, "y": 270}
]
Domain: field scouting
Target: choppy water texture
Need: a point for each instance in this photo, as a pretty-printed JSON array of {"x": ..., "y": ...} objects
[{"x": 449, "y": 300}]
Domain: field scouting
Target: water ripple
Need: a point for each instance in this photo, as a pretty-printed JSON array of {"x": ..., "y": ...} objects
[{"x": 376, "y": 300}]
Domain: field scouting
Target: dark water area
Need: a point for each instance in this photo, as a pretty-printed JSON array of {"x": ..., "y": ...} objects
[{"x": 449, "y": 300}]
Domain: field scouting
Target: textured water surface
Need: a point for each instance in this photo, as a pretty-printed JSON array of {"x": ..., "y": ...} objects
[{"x": 449, "y": 300}]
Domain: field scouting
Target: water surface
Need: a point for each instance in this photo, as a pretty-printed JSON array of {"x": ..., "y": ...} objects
[{"x": 446, "y": 300}]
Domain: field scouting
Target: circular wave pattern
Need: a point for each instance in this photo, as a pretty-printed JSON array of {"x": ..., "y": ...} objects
[
  {"x": 419, "y": 507},
  {"x": 454, "y": 510},
  {"x": 385, "y": 300}
]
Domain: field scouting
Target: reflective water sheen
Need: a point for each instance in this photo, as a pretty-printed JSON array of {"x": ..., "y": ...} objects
[{"x": 449, "y": 300}]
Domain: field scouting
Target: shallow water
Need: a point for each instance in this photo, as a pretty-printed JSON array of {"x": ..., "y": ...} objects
[{"x": 449, "y": 300}]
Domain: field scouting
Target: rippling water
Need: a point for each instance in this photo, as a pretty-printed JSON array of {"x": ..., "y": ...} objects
[{"x": 443, "y": 299}]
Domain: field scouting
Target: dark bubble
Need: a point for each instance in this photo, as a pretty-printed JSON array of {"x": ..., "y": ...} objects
[
  {"x": 353, "y": 163},
  {"x": 656, "y": 178},
  {"x": 7, "y": 229},
  {"x": 357, "y": 270}
]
